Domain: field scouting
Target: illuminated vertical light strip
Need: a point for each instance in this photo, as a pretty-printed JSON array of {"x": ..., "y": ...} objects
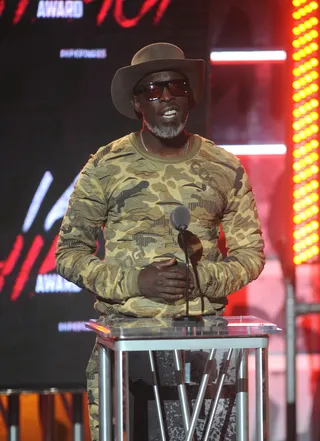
[{"x": 305, "y": 88}]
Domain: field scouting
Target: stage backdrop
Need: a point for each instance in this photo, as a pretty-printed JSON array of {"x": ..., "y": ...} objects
[{"x": 57, "y": 62}]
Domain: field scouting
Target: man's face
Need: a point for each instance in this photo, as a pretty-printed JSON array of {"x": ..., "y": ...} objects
[{"x": 167, "y": 116}]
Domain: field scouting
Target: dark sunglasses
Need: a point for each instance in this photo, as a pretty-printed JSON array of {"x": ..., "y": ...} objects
[{"x": 153, "y": 91}]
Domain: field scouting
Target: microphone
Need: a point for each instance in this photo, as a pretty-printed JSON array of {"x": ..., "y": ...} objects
[{"x": 180, "y": 220}]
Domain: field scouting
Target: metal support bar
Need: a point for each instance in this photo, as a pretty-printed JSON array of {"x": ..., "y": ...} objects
[
  {"x": 201, "y": 394},
  {"x": 262, "y": 395},
  {"x": 242, "y": 420},
  {"x": 290, "y": 362},
  {"x": 293, "y": 309},
  {"x": 77, "y": 417},
  {"x": 182, "y": 391},
  {"x": 157, "y": 396},
  {"x": 126, "y": 394},
  {"x": 13, "y": 417},
  {"x": 121, "y": 372},
  {"x": 105, "y": 396},
  {"x": 46, "y": 403},
  {"x": 222, "y": 376},
  {"x": 307, "y": 308}
]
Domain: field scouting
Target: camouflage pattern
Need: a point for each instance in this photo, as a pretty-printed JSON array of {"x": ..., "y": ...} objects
[
  {"x": 130, "y": 193},
  {"x": 92, "y": 374}
]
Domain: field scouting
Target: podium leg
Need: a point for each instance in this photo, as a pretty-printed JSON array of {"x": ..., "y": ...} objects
[
  {"x": 242, "y": 419},
  {"x": 201, "y": 394},
  {"x": 182, "y": 391},
  {"x": 262, "y": 394},
  {"x": 157, "y": 396},
  {"x": 220, "y": 382},
  {"x": 121, "y": 395},
  {"x": 105, "y": 402}
]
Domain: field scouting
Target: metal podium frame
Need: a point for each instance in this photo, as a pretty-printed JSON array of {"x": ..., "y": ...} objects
[{"x": 121, "y": 346}]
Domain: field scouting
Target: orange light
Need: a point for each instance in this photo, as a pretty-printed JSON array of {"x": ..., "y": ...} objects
[
  {"x": 313, "y": 21},
  {"x": 296, "y": 219},
  {"x": 296, "y": 179},
  {"x": 296, "y": 138},
  {"x": 296, "y": 97},
  {"x": 296, "y": 247}
]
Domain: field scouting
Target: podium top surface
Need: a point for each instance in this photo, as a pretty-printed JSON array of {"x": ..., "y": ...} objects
[{"x": 166, "y": 328}]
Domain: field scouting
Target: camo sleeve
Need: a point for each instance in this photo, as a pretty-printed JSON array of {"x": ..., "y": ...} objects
[
  {"x": 75, "y": 259},
  {"x": 245, "y": 259}
]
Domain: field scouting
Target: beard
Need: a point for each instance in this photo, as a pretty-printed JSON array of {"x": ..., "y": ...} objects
[{"x": 169, "y": 131}]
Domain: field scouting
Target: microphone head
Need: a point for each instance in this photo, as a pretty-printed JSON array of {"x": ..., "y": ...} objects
[{"x": 180, "y": 218}]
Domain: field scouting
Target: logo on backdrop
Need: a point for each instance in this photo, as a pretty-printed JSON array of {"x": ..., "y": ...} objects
[
  {"x": 47, "y": 280},
  {"x": 74, "y": 9}
]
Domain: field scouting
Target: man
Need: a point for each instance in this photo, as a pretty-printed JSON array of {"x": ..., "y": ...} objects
[{"x": 130, "y": 188}]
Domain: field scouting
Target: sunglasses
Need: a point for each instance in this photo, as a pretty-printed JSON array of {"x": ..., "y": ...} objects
[{"x": 153, "y": 91}]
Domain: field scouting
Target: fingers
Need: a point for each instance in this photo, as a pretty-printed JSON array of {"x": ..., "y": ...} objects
[
  {"x": 169, "y": 297},
  {"x": 165, "y": 263},
  {"x": 165, "y": 279},
  {"x": 175, "y": 274},
  {"x": 175, "y": 283}
]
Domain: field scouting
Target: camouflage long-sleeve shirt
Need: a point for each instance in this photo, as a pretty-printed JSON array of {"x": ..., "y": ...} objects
[{"x": 130, "y": 193}]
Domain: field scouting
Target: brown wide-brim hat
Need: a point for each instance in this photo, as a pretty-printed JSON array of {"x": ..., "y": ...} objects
[{"x": 155, "y": 58}]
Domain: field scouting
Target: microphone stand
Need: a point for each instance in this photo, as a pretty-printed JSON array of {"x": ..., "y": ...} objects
[{"x": 192, "y": 319}]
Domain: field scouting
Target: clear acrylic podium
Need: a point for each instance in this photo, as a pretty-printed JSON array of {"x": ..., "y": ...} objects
[{"x": 234, "y": 334}]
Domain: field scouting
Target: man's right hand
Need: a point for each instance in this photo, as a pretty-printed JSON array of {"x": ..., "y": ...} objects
[{"x": 164, "y": 279}]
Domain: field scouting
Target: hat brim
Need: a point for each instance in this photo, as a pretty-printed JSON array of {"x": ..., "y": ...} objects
[{"x": 127, "y": 77}]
